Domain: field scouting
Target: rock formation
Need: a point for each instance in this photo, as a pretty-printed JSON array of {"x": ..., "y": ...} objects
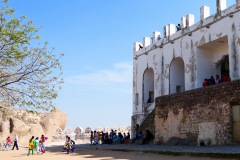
[{"x": 26, "y": 123}]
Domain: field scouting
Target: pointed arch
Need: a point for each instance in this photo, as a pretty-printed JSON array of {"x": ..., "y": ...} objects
[
  {"x": 148, "y": 86},
  {"x": 177, "y": 76}
]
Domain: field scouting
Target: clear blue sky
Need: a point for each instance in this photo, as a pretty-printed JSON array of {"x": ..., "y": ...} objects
[{"x": 96, "y": 37}]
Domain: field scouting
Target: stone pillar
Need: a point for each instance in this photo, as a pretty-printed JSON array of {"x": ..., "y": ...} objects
[
  {"x": 238, "y": 3},
  {"x": 183, "y": 22},
  {"x": 234, "y": 49},
  {"x": 172, "y": 29},
  {"x": 156, "y": 36},
  {"x": 221, "y": 5},
  {"x": 189, "y": 20},
  {"x": 136, "y": 47},
  {"x": 146, "y": 41},
  {"x": 205, "y": 12},
  {"x": 166, "y": 31}
]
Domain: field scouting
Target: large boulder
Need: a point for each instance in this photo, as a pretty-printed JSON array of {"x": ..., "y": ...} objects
[
  {"x": 26, "y": 124},
  {"x": 36, "y": 130},
  {"x": 53, "y": 120},
  {"x": 19, "y": 127}
]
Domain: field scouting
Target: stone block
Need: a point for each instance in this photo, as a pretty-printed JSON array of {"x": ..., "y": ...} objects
[
  {"x": 205, "y": 12},
  {"x": 166, "y": 31},
  {"x": 172, "y": 29},
  {"x": 221, "y": 5},
  {"x": 189, "y": 20},
  {"x": 156, "y": 36},
  {"x": 207, "y": 130},
  {"x": 183, "y": 22},
  {"x": 146, "y": 41},
  {"x": 136, "y": 47},
  {"x": 238, "y": 3}
]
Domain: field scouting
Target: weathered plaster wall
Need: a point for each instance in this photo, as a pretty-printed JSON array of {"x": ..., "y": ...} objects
[
  {"x": 150, "y": 60},
  {"x": 204, "y": 112}
]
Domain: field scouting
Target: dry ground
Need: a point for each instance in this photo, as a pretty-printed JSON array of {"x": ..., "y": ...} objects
[{"x": 54, "y": 153}]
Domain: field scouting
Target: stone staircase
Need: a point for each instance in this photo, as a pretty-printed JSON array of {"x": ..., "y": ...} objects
[{"x": 147, "y": 124}]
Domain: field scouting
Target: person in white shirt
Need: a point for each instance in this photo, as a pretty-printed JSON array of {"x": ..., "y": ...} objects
[{"x": 15, "y": 142}]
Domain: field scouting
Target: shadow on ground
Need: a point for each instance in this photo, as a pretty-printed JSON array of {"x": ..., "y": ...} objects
[{"x": 100, "y": 154}]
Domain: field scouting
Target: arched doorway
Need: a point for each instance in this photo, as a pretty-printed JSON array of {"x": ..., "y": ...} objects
[
  {"x": 148, "y": 86},
  {"x": 222, "y": 67},
  {"x": 177, "y": 76}
]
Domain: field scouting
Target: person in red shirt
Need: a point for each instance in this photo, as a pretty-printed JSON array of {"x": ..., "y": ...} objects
[
  {"x": 43, "y": 139},
  {"x": 205, "y": 83},
  {"x": 8, "y": 143}
]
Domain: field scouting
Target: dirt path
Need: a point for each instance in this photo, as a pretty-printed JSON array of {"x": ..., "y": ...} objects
[{"x": 55, "y": 153}]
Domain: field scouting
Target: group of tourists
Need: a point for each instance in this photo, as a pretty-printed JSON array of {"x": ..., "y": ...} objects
[
  {"x": 69, "y": 145},
  {"x": 108, "y": 138},
  {"x": 9, "y": 141},
  {"x": 37, "y": 144},
  {"x": 217, "y": 80},
  {"x": 145, "y": 140}
]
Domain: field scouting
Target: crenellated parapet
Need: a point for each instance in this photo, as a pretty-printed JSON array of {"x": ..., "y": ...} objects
[{"x": 188, "y": 27}]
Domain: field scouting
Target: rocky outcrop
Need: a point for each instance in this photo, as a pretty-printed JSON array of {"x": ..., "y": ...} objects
[
  {"x": 19, "y": 127},
  {"x": 26, "y": 123},
  {"x": 52, "y": 121}
]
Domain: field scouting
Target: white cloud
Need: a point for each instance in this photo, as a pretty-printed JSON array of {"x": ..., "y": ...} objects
[{"x": 119, "y": 77}]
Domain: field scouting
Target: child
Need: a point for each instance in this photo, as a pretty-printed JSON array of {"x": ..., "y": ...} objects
[
  {"x": 41, "y": 149},
  {"x": 31, "y": 145}
]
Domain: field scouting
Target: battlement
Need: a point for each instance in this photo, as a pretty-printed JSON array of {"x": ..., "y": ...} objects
[{"x": 188, "y": 27}]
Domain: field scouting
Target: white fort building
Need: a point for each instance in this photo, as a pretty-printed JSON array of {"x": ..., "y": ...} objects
[{"x": 179, "y": 61}]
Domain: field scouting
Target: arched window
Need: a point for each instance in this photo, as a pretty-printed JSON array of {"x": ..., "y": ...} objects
[
  {"x": 177, "y": 76},
  {"x": 148, "y": 86}
]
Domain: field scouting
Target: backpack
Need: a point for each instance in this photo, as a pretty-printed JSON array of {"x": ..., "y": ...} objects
[{"x": 72, "y": 143}]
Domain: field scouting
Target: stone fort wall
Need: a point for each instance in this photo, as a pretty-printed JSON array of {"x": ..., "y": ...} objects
[{"x": 205, "y": 113}]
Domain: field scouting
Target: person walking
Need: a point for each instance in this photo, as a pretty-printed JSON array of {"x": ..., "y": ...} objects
[
  {"x": 15, "y": 142},
  {"x": 36, "y": 145},
  {"x": 8, "y": 143},
  {"x": 31, "y": 146},
  {"x": 69, "y": 145},
  {"x": 95, "y": 138},
  {"x": 43, "y": 139},
  {"x": 91, "y": 138}
]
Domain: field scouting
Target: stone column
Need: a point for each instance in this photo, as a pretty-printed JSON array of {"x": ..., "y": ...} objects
[
  {"x": 238, "y": 3},
  {"x": 166, "y": 31},
  {"x": 221, "y": 5},
  {"x": 183, "y": 22},
  {"x": 172, "y": 29},
  {"x": 146, "y": 41},
  {"x": 136, "y": 47},
  {"x": 189, "y": 20},
  {"x": 234, "y": 49},
  {"x": 156, "y": 36},
  {"x": 205, "y": 12}
]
